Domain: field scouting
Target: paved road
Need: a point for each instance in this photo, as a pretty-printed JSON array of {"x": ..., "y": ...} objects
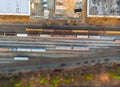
[{"x": 98, "y": 50}]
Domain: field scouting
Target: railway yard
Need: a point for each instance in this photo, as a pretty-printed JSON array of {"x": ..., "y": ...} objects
[
  {"x": 46, "y": 51},
  {"x": 29, "y": 52}
]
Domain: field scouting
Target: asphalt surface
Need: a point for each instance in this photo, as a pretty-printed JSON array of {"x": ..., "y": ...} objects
[{"x": 59, "y": 52}]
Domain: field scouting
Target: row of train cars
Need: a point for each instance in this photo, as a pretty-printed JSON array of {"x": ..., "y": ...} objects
[
  {"x": 35, "y": 32},
  {"x": 115, "y": 38},
  {"x": 43, "y": 49}
]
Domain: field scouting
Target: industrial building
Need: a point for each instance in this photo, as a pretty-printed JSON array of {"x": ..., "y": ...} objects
[
  {"x": 15, "y": 7},
  {"x": 56, "y": 8},
  {"x": 61, "y": 9},
  {"x": 45, "y": 9}
]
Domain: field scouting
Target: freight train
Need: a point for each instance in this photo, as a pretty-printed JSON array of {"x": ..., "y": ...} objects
[{"x": 73, "y": 31}]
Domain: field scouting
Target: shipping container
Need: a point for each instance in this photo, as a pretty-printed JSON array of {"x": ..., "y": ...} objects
[{"x": 21, "y": 58}]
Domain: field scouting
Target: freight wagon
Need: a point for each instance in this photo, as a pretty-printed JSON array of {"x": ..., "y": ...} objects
[
  {"x": 4, "y": 49},
  {"x": 21, "y": 58}
]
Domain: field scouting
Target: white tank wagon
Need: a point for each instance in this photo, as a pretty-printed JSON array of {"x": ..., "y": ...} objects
[{"x": 21, "y": 58}]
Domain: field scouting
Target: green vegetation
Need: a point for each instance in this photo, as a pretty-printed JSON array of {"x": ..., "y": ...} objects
[
  {"x": 118, "y": 68},
  {"x": 42, "y": 79},
  {"x": 18, "y": 84},
  {"x": 28, "y": 84},
  {"x": 52, "y": 85},
  {"x": 114, "y": 75},
  {"x": 67, "y": 79},
  {"x": 88, "y": 76},
  {"x": 55, "y": 80},
  {"x": 15, "y": 82},
  {"x": 5, "y": 85}
]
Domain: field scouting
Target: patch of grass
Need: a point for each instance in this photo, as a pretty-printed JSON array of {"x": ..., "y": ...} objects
[
  {"x": 55, "y": 80},
  {"x": 114, "y": 75},
  {"x": 5, "y": 85},
  {"x": 15, "y": 82},
  {"x": 28, "y": 84},
  {"x": 118, "y": 68},
  {"x": 13, "y": 79},
  {"x": 67, "y": 79},
  {"x": 18, "y": 84},
  {"x": 52, "y": 85},
  {"x": 88, "y": 76},
  {"x": 42, "y": 79}
]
